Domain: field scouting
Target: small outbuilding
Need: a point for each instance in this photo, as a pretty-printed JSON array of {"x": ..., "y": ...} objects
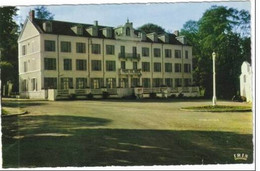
[{"x": 246, "y": 86}]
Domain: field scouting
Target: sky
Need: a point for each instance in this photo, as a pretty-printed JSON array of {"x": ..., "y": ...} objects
[{"x": 170, "y": 16}]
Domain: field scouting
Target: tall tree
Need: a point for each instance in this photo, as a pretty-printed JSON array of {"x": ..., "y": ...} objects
[
  {"x": 150, "y": 28},
  {"x": 8, "y": 46},
  {"x": 225, "y": 31},
  {"x": 43, "y": 13}
]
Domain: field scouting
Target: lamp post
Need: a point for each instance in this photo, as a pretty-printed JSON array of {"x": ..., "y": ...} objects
[{"x": 214, "y": 99}]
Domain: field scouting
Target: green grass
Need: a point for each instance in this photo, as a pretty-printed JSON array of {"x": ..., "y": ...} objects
[
  {"x": 123, "y": 133},
  {"x": 219, "y": 108}
]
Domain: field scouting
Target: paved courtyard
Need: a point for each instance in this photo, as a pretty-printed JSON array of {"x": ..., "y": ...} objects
[{"x": 123, "y": 132}]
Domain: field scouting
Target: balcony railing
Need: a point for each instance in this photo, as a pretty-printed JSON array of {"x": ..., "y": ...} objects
[
  {"x": 131, "y": 56},
  {"x": 130, "y": 71}
]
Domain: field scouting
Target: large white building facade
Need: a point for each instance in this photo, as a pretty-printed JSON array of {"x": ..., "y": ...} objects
[{"x": 61, "y": 59}]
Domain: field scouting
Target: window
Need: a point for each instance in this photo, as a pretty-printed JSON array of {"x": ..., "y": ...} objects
[
  {"x": 96, "y": 49},
  {"x": 111, "y": 65},
  {"x": 168, "y": 82},
  {"x": 128, "y": 31},
  {"x": 157, "y": 67},
  {"x": 186, "y": 54},
  {"x": 146, "y": 82},
  {"x": 81, "y": 83},
  {"x": 135, "y": 65},
  {"x": 111, "y": 82},
  {"x": 134, "y": 51},
  {"x": 177, "y": 67},
  {"x": 110, "y": 49},
  {"x": 66, "y": 83},
  {"x": 168, "y": 53},
  {"x": 81, "y": 65},
  {"x": 49, "y": 45},
  {"x": 50, "y": 83},
  {"x": 145, "y": 52},
  {"x": 187, "y": 68},
  {"x": 157, "y": 82},
  {"x": 34, "y": 84},
  {"x": 80, "y": 47},
  {"x": 122, "y": 64},
  {"x": 48, "y": 27},
  {"x": 157, "y": 52},
  {"x": 96, "y": 65},
  {"x": 49, "y": 63},
  {"x": 122, "y": 51},
  {"x": 168, "y": 67},
  {"x": 96, "y": 83},
  {"x": 65, "y": 46},
  {"x": 79, "y": 30},
  {"x": 24, "y": 66},
  {"x": 135, "y": 82},
  {"x": 187, "y": 82},
  {"x": 24, "y": 50},
  {"x": 177, "y": 54},
  {"x": 24, "y": 85},
  {"x": 146, "y": 66},
  {"x": 124, "y": 82},
  {"x": 178, "y": 82},
  {"x": 67, "y": 64}
]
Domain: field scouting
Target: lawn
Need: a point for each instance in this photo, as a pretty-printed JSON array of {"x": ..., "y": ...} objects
[{"x": 123, "y": 132}]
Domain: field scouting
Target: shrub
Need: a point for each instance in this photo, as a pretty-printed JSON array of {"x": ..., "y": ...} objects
[
  {"x": 152, "y": 95},
  {"x": 105, "y": 95},
  {"x": 90, "y": 96},
  {"x": 173, "y": 96},
  {"x": 72, "y": 96},
  {"x": 181, "y": 95}
]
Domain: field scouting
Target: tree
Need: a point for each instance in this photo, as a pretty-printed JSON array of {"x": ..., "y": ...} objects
[
  {"x": 225, "y": 31},
  {"x": 43, "y": 13},
  {"x": 150, "y": 28},
  {"x": 8, "y": 46}
]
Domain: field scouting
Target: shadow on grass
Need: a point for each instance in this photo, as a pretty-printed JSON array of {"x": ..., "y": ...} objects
[{"x": 52, "y": 141}]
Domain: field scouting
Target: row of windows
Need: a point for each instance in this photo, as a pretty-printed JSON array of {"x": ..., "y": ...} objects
[
  {"x": 81, "y": 83},
  {"x": 110, "y": 49},
  {"x": 81, "y": 65}
]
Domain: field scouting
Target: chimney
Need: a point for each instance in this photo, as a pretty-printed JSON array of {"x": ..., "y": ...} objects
[
  {"x": 176, "y": 32},
  {"x": 95, "y": 23},
  {"x": 31, "y": 15}
]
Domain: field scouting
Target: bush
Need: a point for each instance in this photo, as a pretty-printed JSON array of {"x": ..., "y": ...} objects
[
  {"x": 173, "y": 96},
  {"x": 238, "y": 98},
  {"x": 72, "y": 96},
  {"x": 105, "y": 95},
  {"x": 180, "y": 95},
  {"x": 152, "y": 95},
  {"x": 90, "y": 96}
]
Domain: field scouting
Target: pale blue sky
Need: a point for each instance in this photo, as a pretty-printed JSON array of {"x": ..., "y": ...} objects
[{"x": 170, "y": 16}]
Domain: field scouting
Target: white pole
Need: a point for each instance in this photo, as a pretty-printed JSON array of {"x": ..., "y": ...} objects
[{"x": 214, "y": 99}]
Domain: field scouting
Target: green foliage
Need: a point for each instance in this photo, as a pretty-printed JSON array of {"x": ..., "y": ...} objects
[
  {"x": 223, "y": 30},
  {"x": 43, "y": 13},
  {"x": 150, "y": 28},
  {"x": 8, "y": 46}
]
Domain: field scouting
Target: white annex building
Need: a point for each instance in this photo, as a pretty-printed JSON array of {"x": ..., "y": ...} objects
[
  {"x": 246, "y": 81},
  {"x": 59, "y": 58}
]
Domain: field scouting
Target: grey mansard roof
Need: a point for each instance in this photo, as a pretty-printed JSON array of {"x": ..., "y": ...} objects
[{"x": 64, "y": 28}]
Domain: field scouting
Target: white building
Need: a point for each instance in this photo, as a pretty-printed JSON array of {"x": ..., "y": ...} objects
[
  {"x": 59, "y": 58},
  {"x": 246, "y": 81}
]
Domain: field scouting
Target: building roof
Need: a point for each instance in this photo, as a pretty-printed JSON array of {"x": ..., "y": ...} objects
[{"x": 64, "y": 28}]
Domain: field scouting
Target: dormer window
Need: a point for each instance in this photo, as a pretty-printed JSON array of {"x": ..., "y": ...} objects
[
  {"x": 79, "y": 30},
  {"x": 127, "y": 31},
  {"x": 47, "y": 26}
]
